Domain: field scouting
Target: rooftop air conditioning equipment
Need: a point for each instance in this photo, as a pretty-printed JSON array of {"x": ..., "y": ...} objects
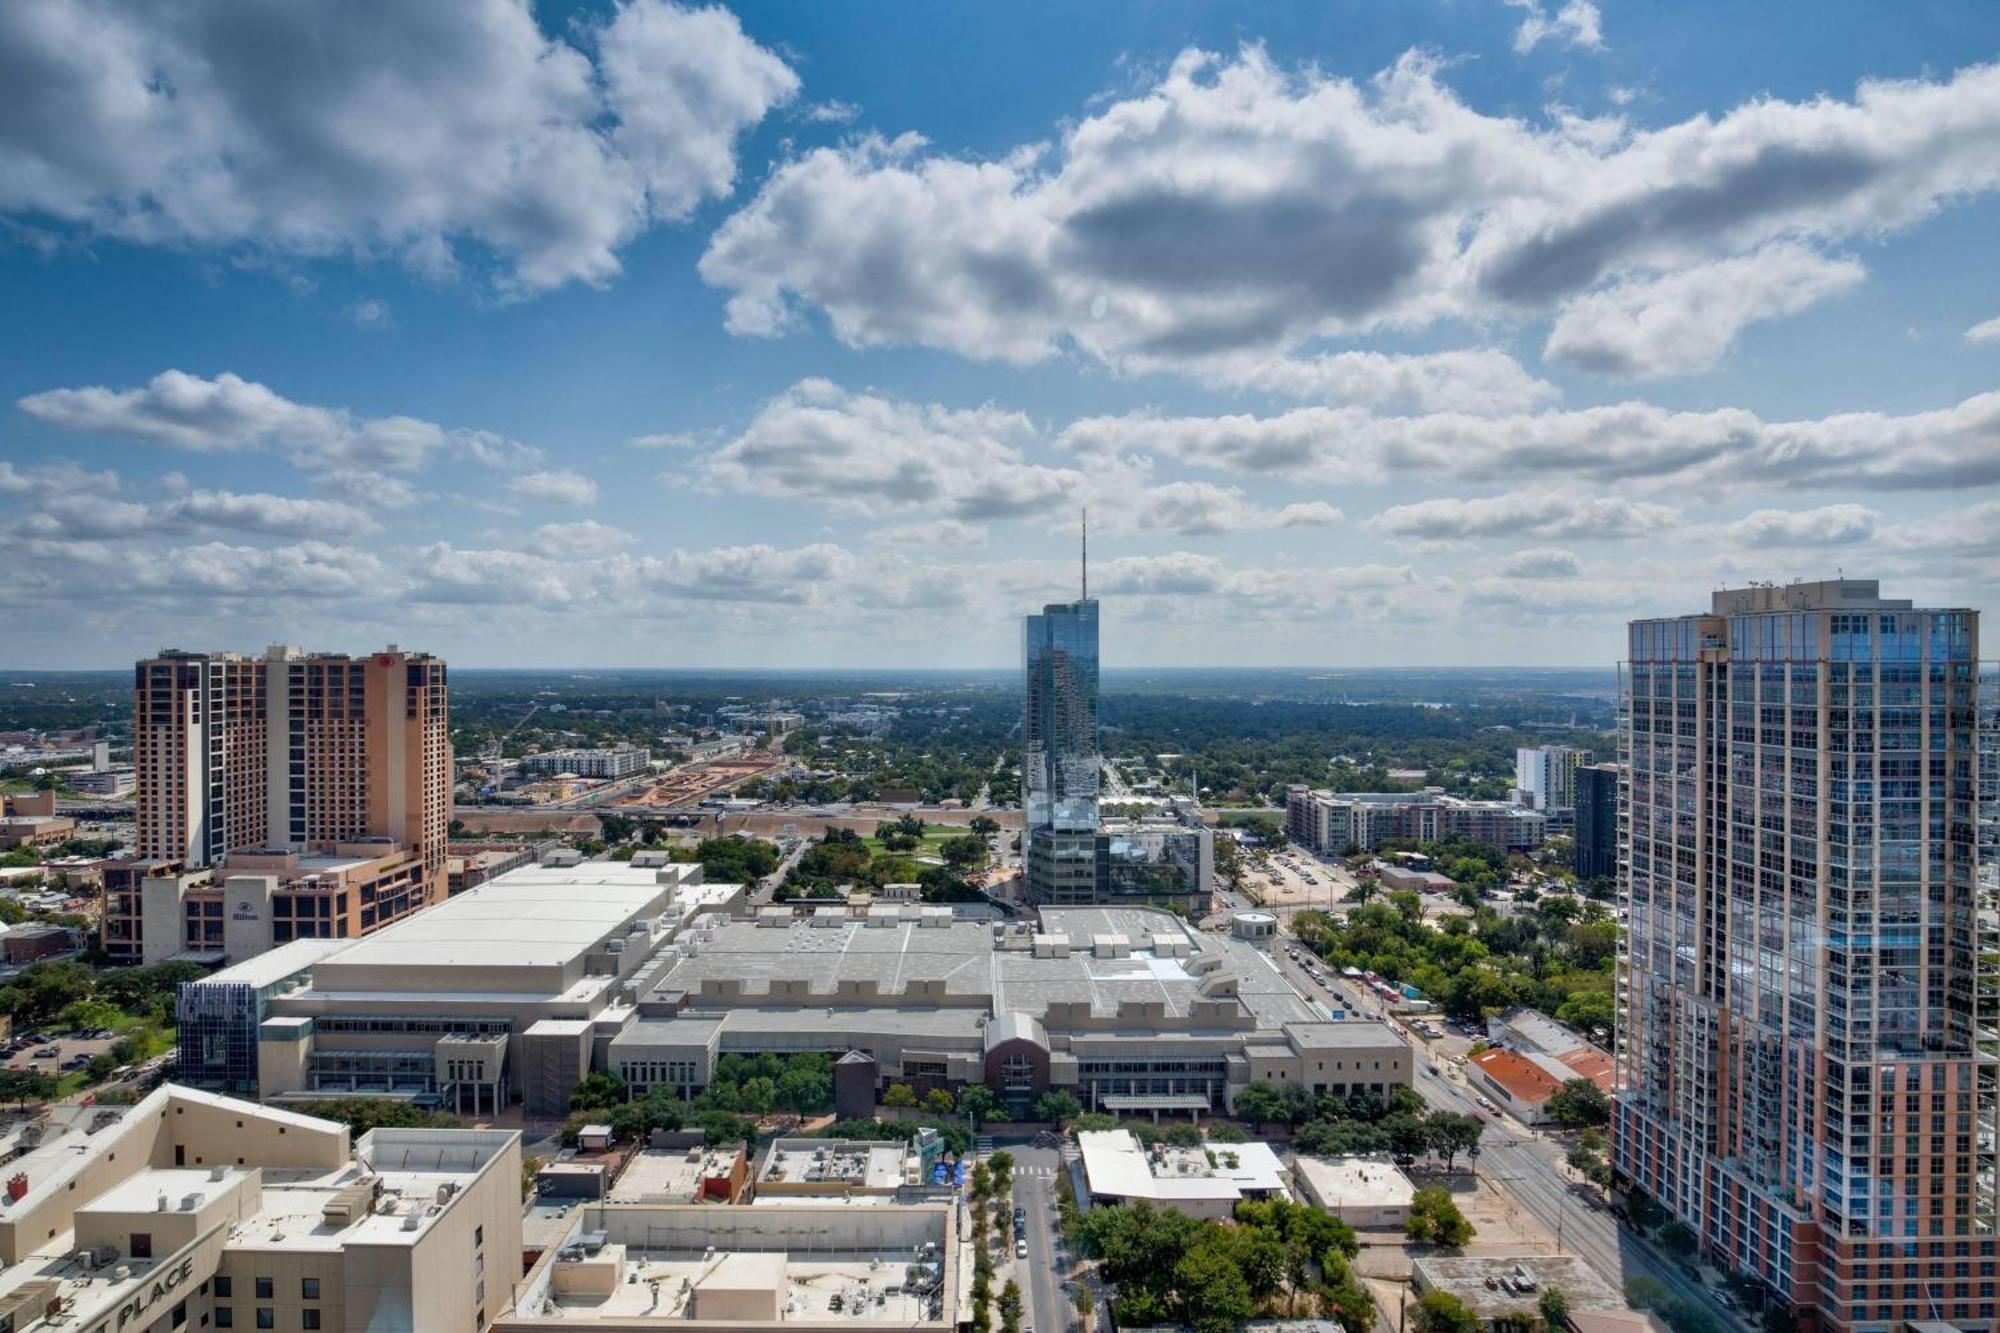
[
  {"x": 190, "y": 1202},
  {"x": 412, "y": 1221}
]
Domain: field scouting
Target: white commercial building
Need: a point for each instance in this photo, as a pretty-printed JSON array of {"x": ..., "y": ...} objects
[
  {"x": 1201, "y": 1182},
  {"x": 1363, "y": 1192}
]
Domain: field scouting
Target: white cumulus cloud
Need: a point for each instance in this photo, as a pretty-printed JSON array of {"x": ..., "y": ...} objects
[{"x": 428, "y": 133}]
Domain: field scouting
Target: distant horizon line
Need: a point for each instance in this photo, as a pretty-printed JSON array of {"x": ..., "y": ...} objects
[{"x": 887, "y": 670}]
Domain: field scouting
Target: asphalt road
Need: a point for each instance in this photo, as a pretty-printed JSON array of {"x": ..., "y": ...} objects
[
  {"x": 1040, "y": 1274},
  {"x": 1528, "y": 1168}
]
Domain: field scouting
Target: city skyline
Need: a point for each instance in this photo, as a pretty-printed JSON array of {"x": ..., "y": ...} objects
[{"x": 1453, "y": 333}]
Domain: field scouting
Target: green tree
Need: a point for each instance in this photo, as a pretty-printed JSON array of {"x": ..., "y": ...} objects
[
  {"x": 1010, "y": 1307},
  {"x": 980, "y": 1102},
  {"x": 1435, "y": 1218},
  {"x": 1677, "y": 1240},
  {"x": 984, "y": 825},
  {"x": 901, "y": 1096},
  {"x": 803, "y": 1089},
  {"x": 1442, "y": 1312},
  {"x": 21, "y": 1086},
  {"x": 1646, "y": 1293},
  {"x": 1579, "y": 1102},
  {"x": 939, "y": 1101},
  {"x": 1057, "y": 1106},
  {"x": 1214, "y": 1295},
  {"x": 1554, "y": 1307},
  {"x": 760, "y": 1096},
  {"x": 597, "y": 1090}
]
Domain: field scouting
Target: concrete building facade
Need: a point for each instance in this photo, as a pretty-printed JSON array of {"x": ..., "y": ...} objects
[{"x": 198, "y": 1211}]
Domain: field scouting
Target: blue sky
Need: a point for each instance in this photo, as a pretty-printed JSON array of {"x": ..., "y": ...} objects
[{"x": 1448, "y": 331}]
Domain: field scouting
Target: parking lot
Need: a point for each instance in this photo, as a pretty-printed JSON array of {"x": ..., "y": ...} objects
[
  {"x": 1298, "y": 879},
  {"x": 54, "y": 1055}
]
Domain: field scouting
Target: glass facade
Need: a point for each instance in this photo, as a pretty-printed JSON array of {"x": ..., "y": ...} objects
[
  {"x": 1060, "y": 768},
  {"x": 1800, "y": 1080},
  {"x": 1160, "y": 866}
]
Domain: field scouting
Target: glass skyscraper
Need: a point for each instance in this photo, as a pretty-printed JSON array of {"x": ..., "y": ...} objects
[
  {"x": 1061, "y": 768},
  {"x": 1807, "y": 997},
  {"x": 1060, "y": 765}
]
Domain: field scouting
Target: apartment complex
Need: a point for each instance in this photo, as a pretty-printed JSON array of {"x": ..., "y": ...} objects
[
  {"x": 1545, "y": 775},
  {"x": 1328, "y": 822},
  {"x": 1596, "y": 847},
  {"x": 1807, "y": 989},
  {"x": 194, "y": 1211},
  {"x": 242, "y": 761},
  {"x": 617, "y": 762}
]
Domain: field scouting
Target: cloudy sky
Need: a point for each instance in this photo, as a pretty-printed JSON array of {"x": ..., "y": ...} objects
[{"x": 1439, "y": 332}]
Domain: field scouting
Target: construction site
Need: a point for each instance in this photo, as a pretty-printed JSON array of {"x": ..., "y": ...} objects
[{"x": 695, "y": 783}]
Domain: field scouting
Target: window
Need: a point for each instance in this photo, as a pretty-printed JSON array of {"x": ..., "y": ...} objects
[
  {"x": 222, "y": 1286},
  {"x": 309, "y": 1288},
  {"x": 225, "y": 1317},
  {"x": 309, "y": 1318},
  {"x": 266, "y": 1317},
  {"x": 142, "y": 1245},
  {"x": 266, "y": 1289},
  {"x": 479, "y": 1235}
]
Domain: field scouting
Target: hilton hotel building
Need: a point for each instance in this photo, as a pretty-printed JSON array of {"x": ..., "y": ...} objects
[
  {"x": 1808, "y": 997},
  {"x": 325, "y": 776}
]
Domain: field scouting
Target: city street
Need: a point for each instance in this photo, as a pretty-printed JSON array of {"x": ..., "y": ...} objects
[
  {"x": 1527, "y": 1166},
  {"x": 1046, "y": 1304}
]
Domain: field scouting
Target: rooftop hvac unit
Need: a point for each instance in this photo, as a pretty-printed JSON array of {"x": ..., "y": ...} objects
[
  {"x": 411, "y": 1221},
  {"x": 190, "y": 1202}
]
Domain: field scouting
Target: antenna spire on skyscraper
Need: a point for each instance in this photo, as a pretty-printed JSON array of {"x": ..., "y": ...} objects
[{"x": 1086, "y": 555}]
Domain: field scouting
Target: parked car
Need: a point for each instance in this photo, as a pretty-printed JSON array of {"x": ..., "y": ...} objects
[{"x": 1020, "y": 1249}]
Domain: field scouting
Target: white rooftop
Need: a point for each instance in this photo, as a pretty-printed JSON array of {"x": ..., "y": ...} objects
[
  {"x": 1355, "y": 1182},
  {"x": 533, "y": 916},
  {"x": 1117, "y": 1165}
]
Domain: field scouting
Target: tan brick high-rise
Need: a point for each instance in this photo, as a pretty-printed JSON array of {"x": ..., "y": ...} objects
[{"x": 291, "y": 751}]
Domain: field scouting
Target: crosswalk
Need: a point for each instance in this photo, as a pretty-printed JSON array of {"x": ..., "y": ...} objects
[{"x": 1034, "y": 1171}]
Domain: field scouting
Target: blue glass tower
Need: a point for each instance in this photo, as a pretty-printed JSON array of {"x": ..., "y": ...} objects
[{"x": 1060, "y": 771}]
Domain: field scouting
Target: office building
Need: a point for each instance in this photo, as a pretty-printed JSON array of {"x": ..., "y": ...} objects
[
  {"x": 1331, "y": 822},
  {"x": 1061, "y": 767},
  {"x": 1808, "y": 980},
  {"x": 1596, "y": 849},
  {"x": 194, "y": 1211},
  {"x": 620, "y": 762},
  {"x": 1545, "y": 776},
  {"x": 106, "y": 782},
  {"x": 239, "y": 760}
]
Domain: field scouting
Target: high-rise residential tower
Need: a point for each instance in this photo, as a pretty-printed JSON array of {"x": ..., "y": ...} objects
[
  {"x": 1595, "y": 854},
  {"x": 1803, "y": 1079},
  {"x": 333, "y": 773},
  {"x": 1545, "y": 775}
]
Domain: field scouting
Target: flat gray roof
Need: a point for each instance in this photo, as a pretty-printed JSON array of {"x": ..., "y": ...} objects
[
  {"x": 534, "y": 916},
  {"x": 962, "y": 956}
]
